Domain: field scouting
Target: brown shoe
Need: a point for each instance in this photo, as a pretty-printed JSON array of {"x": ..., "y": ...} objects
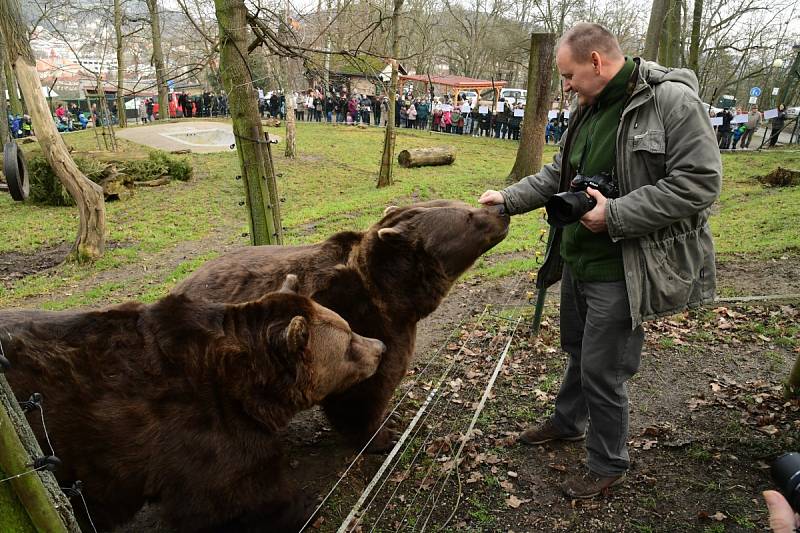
[
  {"x": 545, "y": 433},
  {"x": 588, "y": 484}
]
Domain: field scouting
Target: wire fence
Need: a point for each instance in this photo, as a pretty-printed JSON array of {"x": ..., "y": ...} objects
[
  {"x": 418, "y": 487},
  {"x": 47, "y": 462}
]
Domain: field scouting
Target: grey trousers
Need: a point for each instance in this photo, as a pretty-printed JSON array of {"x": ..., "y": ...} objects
[{"x": 604, "y": 352}]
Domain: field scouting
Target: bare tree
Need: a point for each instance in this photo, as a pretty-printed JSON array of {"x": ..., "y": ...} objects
[
  {"x": 531, "y": 144},
  {"x": 4, "y": 133},
  {"x": 158, "y": 58},
  {"x": 90, "y": 242},
  {"x": 254, "y": 157},
  {"x": 123, "y": 120},
  {"x": 290, "y": 149},
  {"x": 387, "y": 159}
]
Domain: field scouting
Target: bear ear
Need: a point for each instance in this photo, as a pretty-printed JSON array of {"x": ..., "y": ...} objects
[
  {"x": 290, "y": 284},
  {"x": 391, "y": 235},
  {"x": 297, "y": 335},
  {"x": 390, "y": 209}
]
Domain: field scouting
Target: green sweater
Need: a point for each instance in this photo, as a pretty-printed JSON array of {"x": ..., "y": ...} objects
[{"x": 593, "y": 256}]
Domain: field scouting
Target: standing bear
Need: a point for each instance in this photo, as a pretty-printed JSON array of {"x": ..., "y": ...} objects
[
  {"x": 180, "y": 402},
  {"x": 382, "y": 281}
]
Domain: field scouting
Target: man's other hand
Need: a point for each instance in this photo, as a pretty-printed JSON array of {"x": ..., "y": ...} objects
[
  {"x": 491, "y": 197},
  {"x": 595, "y": 219}
]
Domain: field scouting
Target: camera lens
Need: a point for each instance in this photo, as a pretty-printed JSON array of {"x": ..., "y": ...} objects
[
  {"x": 786, "y": 475},
  {"x": 567, "y": 207}
]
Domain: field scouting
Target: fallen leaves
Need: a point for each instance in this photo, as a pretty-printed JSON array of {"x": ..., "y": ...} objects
[{"x": 515, "y": 502}]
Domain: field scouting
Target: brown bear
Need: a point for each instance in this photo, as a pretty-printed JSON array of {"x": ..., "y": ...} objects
[
  {"x": 382, "y": 281},
  {"x": 180, "y": 402}
]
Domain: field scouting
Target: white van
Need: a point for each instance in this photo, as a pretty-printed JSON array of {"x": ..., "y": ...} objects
[{"x": 513, "y": 95}]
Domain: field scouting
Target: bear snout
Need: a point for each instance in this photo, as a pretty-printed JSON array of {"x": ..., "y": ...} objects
[{"x": 368, "y": 351}]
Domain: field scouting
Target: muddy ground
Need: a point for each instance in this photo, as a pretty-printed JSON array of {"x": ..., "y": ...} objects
[{"x": 707, "y": 416}]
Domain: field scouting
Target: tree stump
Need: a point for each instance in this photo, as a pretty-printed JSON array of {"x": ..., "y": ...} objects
[
  {"x": 271, "y": 122},
  {"x": 425, "y": 157},
  {"x": 781, "y": 177}
]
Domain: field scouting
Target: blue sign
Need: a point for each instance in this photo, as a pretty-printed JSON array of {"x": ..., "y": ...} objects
[
  {"x": 171, "y": 84},
  {"x": 755, "y": 91}
]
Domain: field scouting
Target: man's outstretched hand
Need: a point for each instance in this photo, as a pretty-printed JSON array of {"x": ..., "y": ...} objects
[{"x": 491, "y": 197}]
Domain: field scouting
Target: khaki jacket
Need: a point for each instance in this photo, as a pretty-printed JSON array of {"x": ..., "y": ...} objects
[{"x": 669, "y": 173}]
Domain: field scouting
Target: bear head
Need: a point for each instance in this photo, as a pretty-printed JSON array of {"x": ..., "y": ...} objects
[
  {"x": 316, "y": 352},
  {"x": 454, "y": 233}
]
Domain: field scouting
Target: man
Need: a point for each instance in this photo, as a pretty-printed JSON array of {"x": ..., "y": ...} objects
[
  {"x": 724, "y": 130},
  {"x": 644, "y": 254}
]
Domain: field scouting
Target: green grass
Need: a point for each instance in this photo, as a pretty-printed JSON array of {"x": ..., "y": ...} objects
[
  {"x": 331, "y": 187},
  {"x": 752, "y": 219}
]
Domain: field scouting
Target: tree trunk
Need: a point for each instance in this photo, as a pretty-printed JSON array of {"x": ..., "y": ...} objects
[
  {"x": 531, "y": 144},
  {"x": 424, "y": 157},
  {"x": 90, "y": 242},
  {"x": 11, "y": 81},
  {"x": 792, "y": 74},
  {"x": 290, "y": 149},
  {"x": 123, "y": 120},
  {"x": 670, "y": 47},
  {"x": 654, "y": 29},
  {"x": 694, "y": 44},
  {"x": 158, "y": 60},
  {"x": 385, "y": 174},
  {"x": 4, "y": 133},
  {"x": 264, "y": 219}
]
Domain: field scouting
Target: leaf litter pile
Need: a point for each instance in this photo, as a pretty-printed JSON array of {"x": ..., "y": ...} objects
[{"x": 708, "y": 415}]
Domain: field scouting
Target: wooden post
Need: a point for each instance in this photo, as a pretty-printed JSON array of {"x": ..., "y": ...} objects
[
  {"x": 542, "y": 294},
  {"x": 243, "y": 105},
  {"x": 15, "y": 459},
  {"x": 531, "y": 144}
]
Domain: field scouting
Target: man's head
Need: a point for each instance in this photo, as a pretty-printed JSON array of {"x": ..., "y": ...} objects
[
  {"x": 754, "y": 108},
  {"x": 588, "y": 57}
]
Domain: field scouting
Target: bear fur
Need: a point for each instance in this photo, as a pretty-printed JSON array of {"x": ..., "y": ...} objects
[
  {"x": 382, "y": 281},
  {"x": 180, "y": 402}
]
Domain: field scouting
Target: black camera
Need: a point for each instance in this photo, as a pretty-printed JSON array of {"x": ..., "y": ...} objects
[
  {"x": 786, "y": 475},
  {"x": 565, "y": 208}
]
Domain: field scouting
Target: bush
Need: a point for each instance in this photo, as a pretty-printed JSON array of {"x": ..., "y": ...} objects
[
  {"x": 45, "y": 186},
  {"x": 47, "y": 189},
  {"x": 156, "y": 165}
]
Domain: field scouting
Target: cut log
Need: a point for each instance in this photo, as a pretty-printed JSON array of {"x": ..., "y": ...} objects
[
  {"x": 271, "y": 122},
  {"x": 153, "y": 183},
  {"x": 424, "y": 157}
]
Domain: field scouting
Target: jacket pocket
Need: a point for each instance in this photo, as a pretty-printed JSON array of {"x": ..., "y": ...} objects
[
  {"x": 671, "y": 269},
  {"x": 650, "y": 141},
  {"x": 647, "y": 157}
]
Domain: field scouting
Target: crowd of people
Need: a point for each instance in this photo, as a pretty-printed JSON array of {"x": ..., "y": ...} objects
[
  {"x": 730, "y": 133},
  {"x": 458, "y": 116}
]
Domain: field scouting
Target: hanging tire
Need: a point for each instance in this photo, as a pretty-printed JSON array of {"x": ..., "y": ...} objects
[{"x": 16, "y": 172}]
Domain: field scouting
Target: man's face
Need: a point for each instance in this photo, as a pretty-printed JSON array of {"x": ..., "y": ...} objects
[{"x": 581, "y": 77}]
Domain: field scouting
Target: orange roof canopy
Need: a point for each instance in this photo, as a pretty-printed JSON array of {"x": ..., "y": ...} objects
[{"x": 456, "y": 82}]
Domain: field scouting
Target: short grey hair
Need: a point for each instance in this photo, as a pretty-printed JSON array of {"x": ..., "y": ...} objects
[{"x": 587, "y": 37}]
